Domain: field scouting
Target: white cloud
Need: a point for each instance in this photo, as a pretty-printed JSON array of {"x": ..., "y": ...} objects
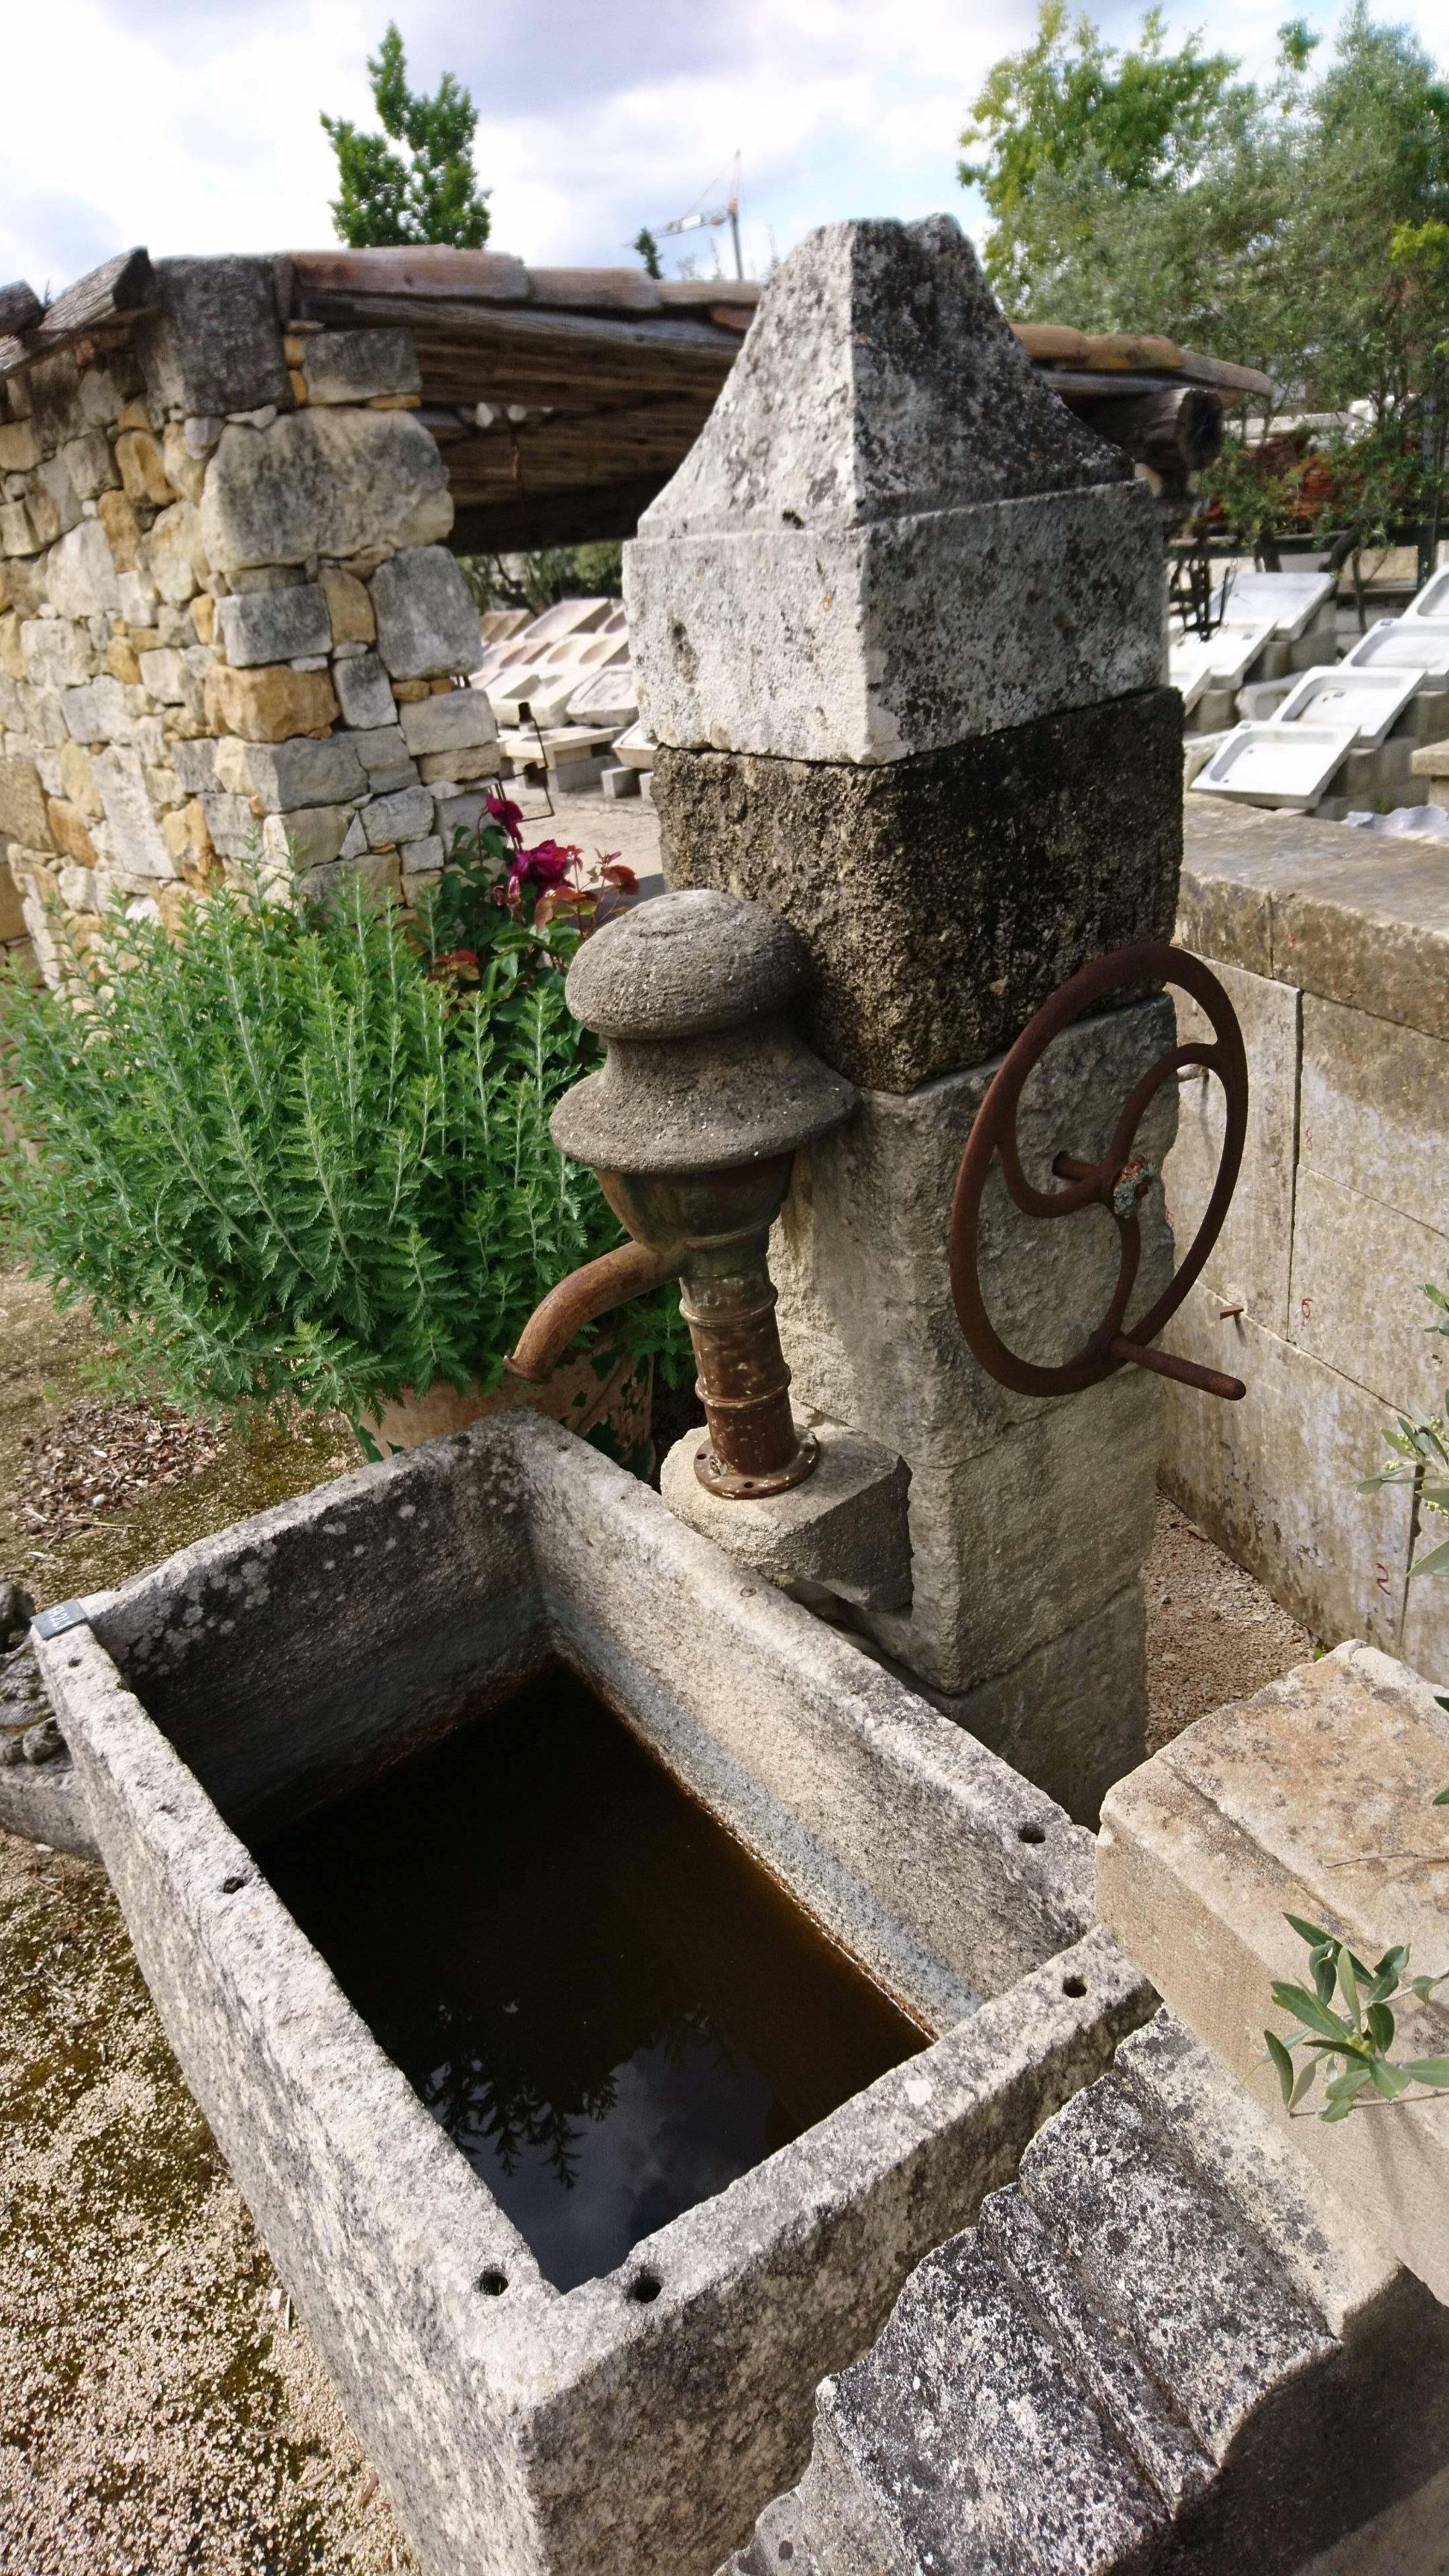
[{"x": 192, "y": 124}]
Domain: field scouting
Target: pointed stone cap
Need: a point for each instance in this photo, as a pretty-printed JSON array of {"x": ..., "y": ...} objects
[{"x": 878, "y": 380}]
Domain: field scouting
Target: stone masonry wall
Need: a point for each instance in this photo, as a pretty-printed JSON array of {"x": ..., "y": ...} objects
[
  {"x": 1334, "y": 948},
  {"x": 228, "y": 620}
]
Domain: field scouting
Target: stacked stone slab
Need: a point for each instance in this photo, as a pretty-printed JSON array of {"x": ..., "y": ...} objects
[
  {"x": 230, "y": 630},
  {"x": 1166, "y": 2347},
  {"x": 898, "y": 628}
]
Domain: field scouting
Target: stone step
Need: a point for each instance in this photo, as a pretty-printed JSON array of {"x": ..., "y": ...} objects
[{"x": 1166, "y": 2346}]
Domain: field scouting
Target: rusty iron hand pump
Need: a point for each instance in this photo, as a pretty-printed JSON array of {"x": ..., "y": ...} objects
[
  {"x": 692, "y": 1126},
  {"x": 693, "y": 1123}
]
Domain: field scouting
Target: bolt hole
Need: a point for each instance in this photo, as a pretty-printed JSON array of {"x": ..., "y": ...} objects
[
  {"x": 229, "y": 1886},
  {"x": 644, "y": 2287},
  {"x": 493, "y": 2283},
  {"x": 1074, "y": 1986},
  {"x": 1031, "y": 1834}
]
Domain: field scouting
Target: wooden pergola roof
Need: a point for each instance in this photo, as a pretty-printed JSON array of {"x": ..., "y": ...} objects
[
  {"x": 594, "y": 382},
  {"x": 563, "y": 399}
]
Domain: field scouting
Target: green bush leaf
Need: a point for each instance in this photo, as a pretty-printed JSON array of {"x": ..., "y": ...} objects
[
  {"x": 1389, "y": 2080},
  {"x": 1286, "y": 2070},
  {"x": 1426, "y": 2070},
  {"x": 1307, "y": 2009}
]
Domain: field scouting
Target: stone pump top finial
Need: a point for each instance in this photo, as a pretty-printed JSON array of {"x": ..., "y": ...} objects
[
  {"x": 703, "y": 1070},
  {"x": 692, "y": 1126}
]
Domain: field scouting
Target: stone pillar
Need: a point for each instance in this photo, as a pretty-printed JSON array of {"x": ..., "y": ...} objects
[
  {"x": 898, "y": 624},
  {"x": 229, "y": 627}
]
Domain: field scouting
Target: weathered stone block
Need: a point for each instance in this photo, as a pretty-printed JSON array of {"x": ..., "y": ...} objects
[
  {"x": 1252, "y": 1257},
  {"x": 323, "y": 483},
  {"x": 315, "y": 834},
  {"x": 1241, "y": 1820},
  {"x": 57, "y": 409},
  {"x": 123, "y": 535},
  {"x": 407, "y": 816},
  {"x": 22, "y": 805},
  {"x": 88, "y": 463},
  {"x": 1274, "y": 1479},
  {"x": 889, "y": 534},
  {"x": 942, "y": 898},
  {"x": 143, "y": 475},
  {"x": 136, "y": 842},
  {"x": 1375, "y": 1104},
  {"x": 1072, "y": 1715},
  {"x": 167, "y": 676},
  {"x": 286, "y": 774},
  {"x": 423, "y": 857},
  {"x": 353, "y": 366},
  {"x": 427, "y": 624},
  {"x": 58, "y": 652},
  {"x": 273, "y": 625},
  {"x": 484, "y": 761},
  {"x": 348, "y": 607},
  {"x": 384, "y": 755},
  {"x": 53, "y": 479},
  {"x": 175, "y": 554},
  {"x": 870, "y": 1332},
  {"x": 81, "y": 575},
  {"x": 18, "y": 449},
  {"x": 268, "y": 705},
  {"x": 68, "y": 831},
  {"x": 216, "y": 345},
  {"x": 459, "y": 721},
  {"x": 17, "y": 532},
  {"x": 1358, "y": 1304},
  {"x": 844, "y": 1528},
  {"x": 364, "y": 692},
  {"x": 97, "y": 711}
]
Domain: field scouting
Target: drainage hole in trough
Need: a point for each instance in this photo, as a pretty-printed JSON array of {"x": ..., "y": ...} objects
[
  {"x": 645, "y": 2286},
  {"x": 1074, "y": 1985},
  {"x": 229, "y": 1886},
  {"x": 1031, "y": 1833},
  {"x": 493, "y": 2284}
]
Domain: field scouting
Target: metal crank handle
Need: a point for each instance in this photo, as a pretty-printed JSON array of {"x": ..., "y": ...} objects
[{"x": 1187, "y": 1373}]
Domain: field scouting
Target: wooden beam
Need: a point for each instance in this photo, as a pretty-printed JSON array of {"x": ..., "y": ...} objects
[
  {"x": 422, "y": 271},
  {"x": 117, "y": 291}
]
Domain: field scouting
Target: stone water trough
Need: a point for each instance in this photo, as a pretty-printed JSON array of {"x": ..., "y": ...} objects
[{"x": 637, "y": 2420}]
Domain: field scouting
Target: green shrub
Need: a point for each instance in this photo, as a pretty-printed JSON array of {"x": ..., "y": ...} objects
[{"x": 301, "y": 1157}]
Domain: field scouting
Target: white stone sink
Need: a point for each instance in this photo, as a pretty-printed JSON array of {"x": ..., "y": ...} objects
[
  {"x": 1343, "y": 694},
  {"x": 1433, "y": 600},
  {"x": 1276, "y": 764},
  {"x": 521, "y": 2430},
  {"x": 1404, "y": 644},
  {"x": 1290, "y": 599}
]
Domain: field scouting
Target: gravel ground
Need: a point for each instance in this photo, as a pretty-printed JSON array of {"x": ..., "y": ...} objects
[{"x": 162, "y": 2413}]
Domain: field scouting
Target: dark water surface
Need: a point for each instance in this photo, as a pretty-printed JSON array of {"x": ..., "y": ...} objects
[{"x": 605, "y": 2002}]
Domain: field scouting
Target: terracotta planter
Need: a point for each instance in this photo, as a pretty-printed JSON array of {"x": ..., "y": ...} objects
[{"x": 602, "y": 1393}]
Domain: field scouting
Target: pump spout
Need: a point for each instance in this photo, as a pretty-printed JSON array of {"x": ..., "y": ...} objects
[{"x": 593, "y": 1290}]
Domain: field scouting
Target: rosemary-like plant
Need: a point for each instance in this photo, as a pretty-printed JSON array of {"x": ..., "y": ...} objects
[{"x": 298, "y": 1158}]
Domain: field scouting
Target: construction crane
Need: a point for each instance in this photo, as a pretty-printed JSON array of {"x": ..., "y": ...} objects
[{"x": 700, "y": 215}]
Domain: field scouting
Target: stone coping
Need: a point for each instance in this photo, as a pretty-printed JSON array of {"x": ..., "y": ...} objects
[
  {"x": 264, "y": 1669},
  {"x": 1349, "y": 915}
]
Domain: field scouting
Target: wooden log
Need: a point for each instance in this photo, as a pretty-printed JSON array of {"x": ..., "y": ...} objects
[
  {"x": 1176, "y": 429},
  {"x": 533, "y": 331},
  {"x": 1229, "y": 378},
  {"x": 421, "y": 270},
  {"x": 20, "y": 307},
  {"x": 1052, "y": 343},
  {"x": 596, "y": 290},
  {"x": 709, "y": 291},
  {"x": 119, "y": 290}
]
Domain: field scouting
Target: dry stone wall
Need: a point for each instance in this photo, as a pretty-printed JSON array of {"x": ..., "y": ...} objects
[{"x": 231, "y": 631}]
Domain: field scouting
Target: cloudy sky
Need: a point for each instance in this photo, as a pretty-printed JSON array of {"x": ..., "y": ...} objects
[{"x": 191, "y": 125}]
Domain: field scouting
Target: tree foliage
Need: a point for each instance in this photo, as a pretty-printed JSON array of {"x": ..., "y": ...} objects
[
  {"x": 1295, "y": 226},
  {"x": 433, "y": 196}
]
